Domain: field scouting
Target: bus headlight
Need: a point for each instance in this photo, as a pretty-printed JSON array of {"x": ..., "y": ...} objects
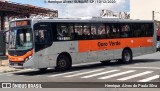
[{"x": 28, "y": 58}]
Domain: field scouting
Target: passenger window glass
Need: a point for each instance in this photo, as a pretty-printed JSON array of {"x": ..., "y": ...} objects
[
  {"x": 93, "y": 31},
  {"x": 136, "y": 30},
  {"x": 125, "y": 31},
  {"x": 70, "y": 31},
  {"x": 43, "y": 34},
  {"x": 143, "y": 30},
  {"x": 101, "y": 31},
  {"x": 149, "y": 30},
  {"x": 86, "y": 32},
  {"x": 78, "y": 31},
  {"x": 108, "y": 31},
  {"x": 115, "y": 31},
  {"x": 65, "y": 32}
]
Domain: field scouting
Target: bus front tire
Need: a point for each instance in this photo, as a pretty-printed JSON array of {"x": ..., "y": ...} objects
[
  {"x": 63, "y": 63},
  {"x": 126, "y": 57}
]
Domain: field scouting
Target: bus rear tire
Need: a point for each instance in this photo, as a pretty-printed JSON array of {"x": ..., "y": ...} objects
[
  {"x": 63, "y": 63},
  {"x": 126, "y": 57}
]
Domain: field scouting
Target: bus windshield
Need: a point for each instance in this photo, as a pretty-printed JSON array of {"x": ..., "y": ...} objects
[{"x": 21, "y": 39}]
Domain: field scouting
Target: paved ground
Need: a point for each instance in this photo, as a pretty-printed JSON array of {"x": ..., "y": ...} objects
[
  {"x": 144, "y": 69},
  {"x": 4, "y": 66}
]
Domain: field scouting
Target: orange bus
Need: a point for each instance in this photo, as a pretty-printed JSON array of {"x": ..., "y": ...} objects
[{"x": 60, "y": 43}]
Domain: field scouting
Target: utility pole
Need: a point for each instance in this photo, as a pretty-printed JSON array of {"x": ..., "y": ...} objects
[{"x": 153, "y": 12}]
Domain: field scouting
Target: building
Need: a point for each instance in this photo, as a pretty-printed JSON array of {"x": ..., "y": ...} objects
[
  {"x": 111, "y": 14},
  {"x": 143, "y": 9},
  {"x": 12, "y": 10},
  {"x": 146, "y": 10}
]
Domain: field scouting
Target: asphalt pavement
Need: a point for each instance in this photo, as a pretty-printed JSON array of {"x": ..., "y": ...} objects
[{"x": 144, "y": 68}]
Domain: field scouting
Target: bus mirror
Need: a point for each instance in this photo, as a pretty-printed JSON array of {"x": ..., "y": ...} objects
[{"x": 5, "y": 37}]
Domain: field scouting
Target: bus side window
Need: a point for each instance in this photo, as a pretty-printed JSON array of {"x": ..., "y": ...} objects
[
  {"x": 125, "y": 31},
  {"x": 70, "y": 31},
  {"x": 149, "y": 30},
  {"x": 61, "y": 29},
  {"x": 78, "y": 31},
  {"x": 115, "y": 31},
  {"x": 136, "y": 30},
  {"x": 108, "y": 31},
  {"x": 86, "y": 32},
  {"x": 43, "y": 35},
  {"x": 143, "y": 30},
  {"x": 39, "y": 36},
  {"x": 65, "y": 32},
  {"x": 93, "y": 31},
  {"x": 101, "y": 31}
]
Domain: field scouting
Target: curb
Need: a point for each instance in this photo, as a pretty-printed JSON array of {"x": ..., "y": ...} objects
[
  {"x": 4, "y": 66},
  {"x": 4, "y": 62},
  {"x": 6, "y": 69},
  {"x": 11, "y": 70}
]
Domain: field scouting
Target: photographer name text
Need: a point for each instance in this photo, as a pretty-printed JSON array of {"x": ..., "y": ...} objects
[{"x": 79, "y": 1}]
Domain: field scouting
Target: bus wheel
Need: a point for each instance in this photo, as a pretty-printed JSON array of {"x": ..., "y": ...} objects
[
  {"x": 126, "y": 57},
  {"x": 42, "y": 69},
  {"x": 63, "y": 63}
]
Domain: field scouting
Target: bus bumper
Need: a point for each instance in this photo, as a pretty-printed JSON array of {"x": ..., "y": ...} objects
[{"x": 21, "y": 65}]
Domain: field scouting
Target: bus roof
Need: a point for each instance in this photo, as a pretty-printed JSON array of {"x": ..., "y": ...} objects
[{"x": 97, "y": 19}]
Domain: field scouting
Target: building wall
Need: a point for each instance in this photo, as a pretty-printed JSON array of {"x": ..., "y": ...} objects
[{"x": 142, "y": 9}]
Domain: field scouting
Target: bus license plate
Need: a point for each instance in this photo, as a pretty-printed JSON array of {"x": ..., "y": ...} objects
[{"x": 15, "y": 64}]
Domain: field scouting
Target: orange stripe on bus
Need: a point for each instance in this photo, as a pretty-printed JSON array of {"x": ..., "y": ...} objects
[
  {"x": 20, "y": 58},
  {"x": 109, "y": 44}
]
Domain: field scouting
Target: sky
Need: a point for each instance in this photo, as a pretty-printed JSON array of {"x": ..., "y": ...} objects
[{"x": 80, "y": 10}]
